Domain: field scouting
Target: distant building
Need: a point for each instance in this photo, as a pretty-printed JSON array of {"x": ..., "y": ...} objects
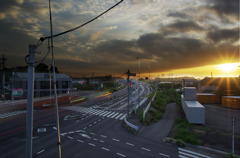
[
  {"x": 41, "y": 84},
  {"x": 213, "y": 84}
]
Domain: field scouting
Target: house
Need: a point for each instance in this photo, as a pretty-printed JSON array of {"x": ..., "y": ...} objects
[{"x": 42, "y": 82}]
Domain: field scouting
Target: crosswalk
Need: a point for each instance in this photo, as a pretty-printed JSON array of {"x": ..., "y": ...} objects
[
  {"x": 102, "y": 113},
  {"x": 183, "y": 153},
  {"x": 9, "y": 114}
]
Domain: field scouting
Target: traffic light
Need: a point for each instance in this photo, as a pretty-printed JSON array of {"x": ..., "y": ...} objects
[{"x": 131, "y": 85}]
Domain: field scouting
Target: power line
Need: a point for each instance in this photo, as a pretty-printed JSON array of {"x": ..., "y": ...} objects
[{"x": 73, "y": 29}]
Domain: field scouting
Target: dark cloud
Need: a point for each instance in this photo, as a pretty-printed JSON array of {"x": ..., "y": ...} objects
[
  {"x": 225, "y": 7},
  {"x": 181, "y": 26},
  {"x": 218, "y": 35},
  {"x": 178, "y": 15}
]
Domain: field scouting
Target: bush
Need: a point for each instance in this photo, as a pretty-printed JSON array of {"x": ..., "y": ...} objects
[{"x": 183, "y": 133}]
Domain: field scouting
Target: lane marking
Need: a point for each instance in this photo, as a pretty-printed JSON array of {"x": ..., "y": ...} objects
[
  {"x": 105, "y": 149},
  {"x": 91, "y": 144},
  {"x": 130, "y": 144},
  {"x": 70, "y": 137},
  {"x": 90, "y": 125},
  {"x": 103, "y": 136},
  {"x": 41, "y": 130},
  {"x": 40, "y": 151},
  {"x": 145, "y": 149},
  {"x": 80, "y": 141},
  {"x": 85, "y": 128},
  {"x": 101, "y": 141},
  {"x": 79, "y": 131},
  {"x": 93, "y": 134},
  {"x": 70, "y": 132},
  {"x": 121, "y": 154},
  {"x": 95, "y": 139},
  {"x": 85, "y": 135},
  {"x": 115, "y": 139},
  {"x": 163, "y": 154}
]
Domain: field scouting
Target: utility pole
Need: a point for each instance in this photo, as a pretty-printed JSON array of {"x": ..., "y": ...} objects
[
  {"x": 55, "y": 88},
  {"x": 3, "y": 77},
  {"x": 128, "y": 92},
  {"x": 30, "y": 100}
]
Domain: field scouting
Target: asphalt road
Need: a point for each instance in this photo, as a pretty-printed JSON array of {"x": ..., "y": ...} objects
[{"x": 90, "y": 129}]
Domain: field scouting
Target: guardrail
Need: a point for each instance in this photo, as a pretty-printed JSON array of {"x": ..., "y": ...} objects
[
  {"x": 147, "y": 108},
  {"x": 136, "y": 128}
]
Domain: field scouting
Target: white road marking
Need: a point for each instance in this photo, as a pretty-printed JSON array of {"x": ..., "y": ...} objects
[
  {"x": 91, "y": 144},
  {"x": 79, "y": 131},
  {"x": 114, "y": 115},
  {"x": 118, "y": 116},
  {"x": 180, "y": 156},
  {"x": 41, "y": 130},
  {"x": 71, "y": 132},
  {"x": 93, "y": 134},
  {"x": 95, "y": 139},
  {"x": 80, "y": 141},
  {"x": 62, "y": 134},
  {"x": 130, "y": 144},
  {"x": 94, "y": 122},
  {"x": 116, "y": 140},
  {"x": 101, "y": 141},
  {"x": 85, "y": 135},
  {"x": 110, "y": 114},
  {"x": 163, "y": 154},
  {"x": 103, "y": 136},
  {"x": 105, "y": 149},
  {"x": 40, "y": 151},
  {"x": 121, "y": 154},
  {"x": 188, "y": 152},
  {"x": 90, "y": 125},
  {"x": 122, "y": 116},
  {"x": 85, "y": 128},
  {"x": 70, "y": 137},
  {"x": 145, "y": 149}
]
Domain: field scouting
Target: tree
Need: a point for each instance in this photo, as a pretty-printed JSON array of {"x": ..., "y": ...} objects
[
  {"x": 56, "y": 69},
  {"x": 41, "y": 68}
]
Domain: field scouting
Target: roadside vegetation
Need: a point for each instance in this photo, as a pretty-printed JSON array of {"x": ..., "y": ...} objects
[
  {"x": 159, "y": 104},
  {"x": 182, "y": 132}
]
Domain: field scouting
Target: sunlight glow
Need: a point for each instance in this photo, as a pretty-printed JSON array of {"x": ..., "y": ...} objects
[{"x": 227, "y": 67}]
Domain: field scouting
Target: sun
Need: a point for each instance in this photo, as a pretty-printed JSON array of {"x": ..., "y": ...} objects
[{"x": 227, "y": 67}]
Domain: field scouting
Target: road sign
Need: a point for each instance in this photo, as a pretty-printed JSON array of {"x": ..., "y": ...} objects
[{"x": 17, "y": 92}]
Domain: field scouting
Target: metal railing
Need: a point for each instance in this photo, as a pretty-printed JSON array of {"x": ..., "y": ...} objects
[{"x": 147, "y": 108}]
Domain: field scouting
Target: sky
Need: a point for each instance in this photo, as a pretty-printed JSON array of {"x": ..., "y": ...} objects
[{"x": 179, "y": 37}]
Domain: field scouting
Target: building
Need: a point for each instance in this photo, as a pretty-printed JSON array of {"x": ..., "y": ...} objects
[
  {"x": 212, "y": 84},
  {"x": 19, "y": 82}
]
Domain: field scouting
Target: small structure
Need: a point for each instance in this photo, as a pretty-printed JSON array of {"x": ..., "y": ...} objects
[
  {"x": 231, "y": 101},
  {"x": 208, "y": 98},
  {"x": 194, "y": 111}
]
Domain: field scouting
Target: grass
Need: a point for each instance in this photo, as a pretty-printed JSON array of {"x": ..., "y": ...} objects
[{"x": 182, "y": 132}]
